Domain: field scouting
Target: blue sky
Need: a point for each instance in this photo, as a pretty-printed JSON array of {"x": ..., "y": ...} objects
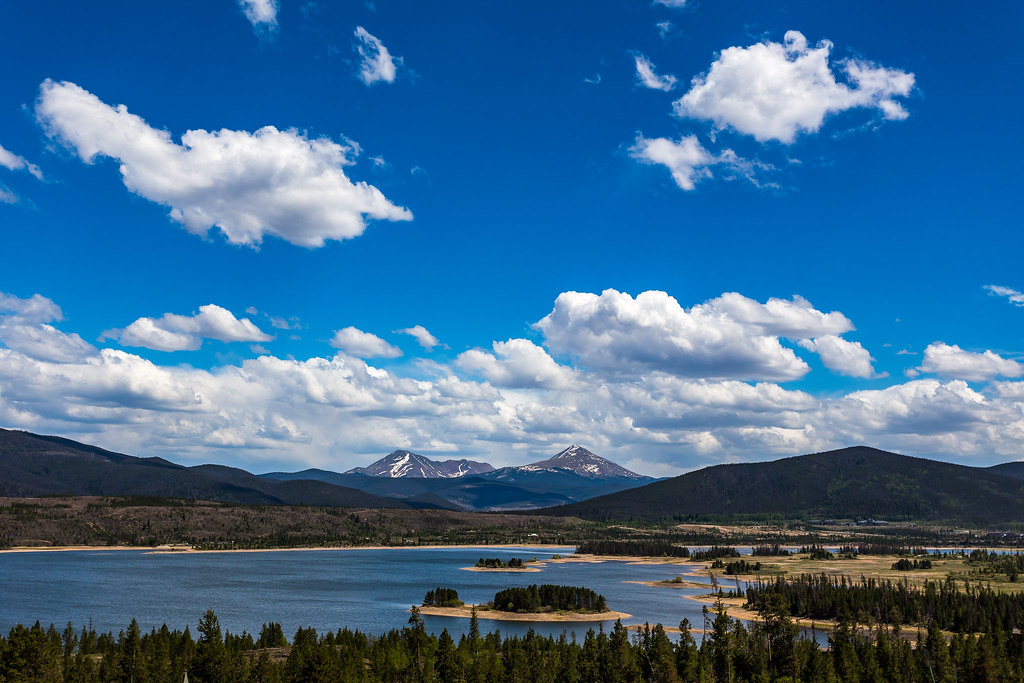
[{"x": 280, "y": 235}]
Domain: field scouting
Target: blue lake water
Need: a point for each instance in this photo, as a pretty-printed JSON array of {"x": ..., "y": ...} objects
[{"x": 366, "y": 589}]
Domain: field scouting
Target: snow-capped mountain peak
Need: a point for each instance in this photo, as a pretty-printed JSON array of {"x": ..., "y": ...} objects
[
  {"x": 578, "y": 459},
  {"x": 399, "y": 464},
  {"x": 574, "y": 460}
]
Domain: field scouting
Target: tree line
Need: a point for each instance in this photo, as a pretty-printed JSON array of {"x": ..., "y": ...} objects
[
  {"x": 498, "y": 563},
  {"x": 636, "y": 548},
  {"x": 536, "y": 598},
  {"x": 975, "y": 608},
  {"x": 991, "y": 563},
  {"x": 737, "y": 568},
  {"x": 770, "y": 649},
  {"x": 442, "y": 597},
  {"x": 772, "y": 550},
  {"x": 905, "y": 564},
  {"x": 878, "y": 548},
  {"x": 714, "y": 552}
]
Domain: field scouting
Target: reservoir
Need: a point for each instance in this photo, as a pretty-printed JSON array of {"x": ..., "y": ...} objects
[{"x": 366, "y": 589}]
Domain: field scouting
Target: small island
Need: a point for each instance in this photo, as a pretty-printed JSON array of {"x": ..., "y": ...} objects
[
  {"x": 532, "y": 603},
  {"x": 496, "y": 564},
  {"x": 677, "y": 582}
]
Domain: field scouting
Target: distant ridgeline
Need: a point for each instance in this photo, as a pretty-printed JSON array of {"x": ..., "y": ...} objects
[{"x": 854, "y": 483}]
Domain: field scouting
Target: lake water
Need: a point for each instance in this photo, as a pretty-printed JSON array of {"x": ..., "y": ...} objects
[{"x": 369, "y": 590}]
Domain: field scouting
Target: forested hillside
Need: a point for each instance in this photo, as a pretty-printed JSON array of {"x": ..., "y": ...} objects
[
  {"x": 34, "y": 465},
  {"x": 850, "y": 483}
]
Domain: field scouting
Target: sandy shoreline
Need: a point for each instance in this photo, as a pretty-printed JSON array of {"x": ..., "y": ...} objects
[
  {"x": 671, "y": 584},
  {"x": 495, "y": 615},
  {"x": 510, "y": 570}
]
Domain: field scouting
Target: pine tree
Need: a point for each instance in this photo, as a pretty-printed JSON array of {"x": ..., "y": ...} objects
[{"x": 448, "y": 665}]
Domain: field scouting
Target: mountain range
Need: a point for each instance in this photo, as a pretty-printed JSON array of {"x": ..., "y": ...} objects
[
  {"x": 574, "y": 474},
  {"x": 33, "y": 465},
  {"x": 407, "y": 464},
  {"x": 849, "y": 483}
]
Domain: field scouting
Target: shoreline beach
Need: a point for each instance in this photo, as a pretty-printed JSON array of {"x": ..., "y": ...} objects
[{"x": 496, "y": 615}]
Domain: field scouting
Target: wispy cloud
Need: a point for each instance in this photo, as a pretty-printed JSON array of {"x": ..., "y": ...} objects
[
  {"x": 649, "y": 78},
  {"x": 14, "y": 162},
  {"x": 689, "y": 162},
  {"x": 262, "y": 14},
  {"x": 1012, "y": 295},
  {"x": 377, "y": 63}
]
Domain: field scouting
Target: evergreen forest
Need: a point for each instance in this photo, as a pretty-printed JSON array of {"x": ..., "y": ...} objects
[{"x": 769, "y": 649}]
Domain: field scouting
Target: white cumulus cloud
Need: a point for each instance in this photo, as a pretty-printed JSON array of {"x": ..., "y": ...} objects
[
  {"x": 25, "y": 328},
  {"x": 613, "y": 332},
  {"x": 925, "y": 413},
  {"x": 641, "y": 388},
  {"x": 35, "y": 309},
  {"x": 517, "y": 363},
  {"x": 377, "y": 64},
  {"x": 793, "y": 318},
  {"x": 269, "y": 182},
  {"x": 649, "y": 78},
  {"x": 361, "y": 344},
  {"x": 422, "y": 336},
  {"x": 173, "y": 332},
  {"x": 952, "y": 361},
  {"x": 774, "y": 91},
  {"x": 686, "y": 159},
  {"x": 843, "y": 356}
]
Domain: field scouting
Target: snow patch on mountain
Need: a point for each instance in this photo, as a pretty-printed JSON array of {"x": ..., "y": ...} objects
[
  {"x": 575, "y": 460},
  {"x": 406, "y": 464},
  {"x": 578, "y": 459}
]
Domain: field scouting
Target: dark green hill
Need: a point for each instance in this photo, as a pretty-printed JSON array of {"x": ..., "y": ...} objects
[
  {"x": 32, "y": 465},
  {"x": 857, "y": 483},
  {"x": 1009, "y": 469}
]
